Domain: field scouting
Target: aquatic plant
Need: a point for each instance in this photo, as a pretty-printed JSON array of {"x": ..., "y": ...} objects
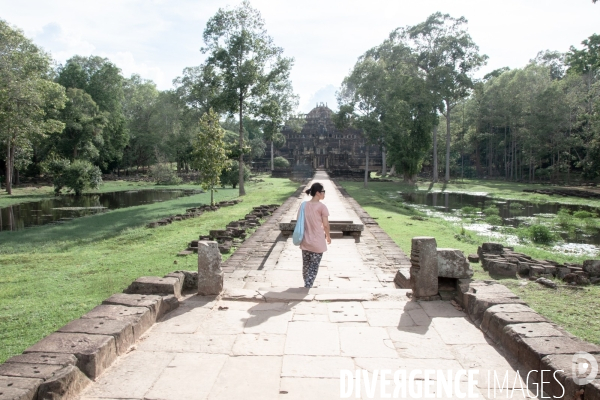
[
  {"x": 493, "y": 220},
  {"x": 540, "y": 234}
]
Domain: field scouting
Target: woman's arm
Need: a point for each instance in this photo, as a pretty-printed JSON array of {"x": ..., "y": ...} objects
[{"x": 326, "y": 227}]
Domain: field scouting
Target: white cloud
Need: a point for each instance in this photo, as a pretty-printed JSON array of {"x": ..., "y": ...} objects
[
  {"x": 63, "y": 45},
  {"x": 158, "y": 38},
  {"x": 324, "y": 95},
  {"x": 126, "y": 61}
]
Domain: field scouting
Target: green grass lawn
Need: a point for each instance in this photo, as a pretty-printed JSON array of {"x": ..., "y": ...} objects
[
  {"x": 576, "y": 311},
  {"x": 56, "y": 273}
]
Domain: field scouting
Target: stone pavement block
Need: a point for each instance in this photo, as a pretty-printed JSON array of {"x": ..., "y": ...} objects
[
  {"x": 121, "y": 330},
  {"x": 286, "y": 294},
  {"x": 311, "y": 317},
  {"x": 183, "y": 320},
  {"x": 155, "y": 285},
  {"x": 309, "y": 308},
  {"x": 132, "y": 376},
  {"x": 242, "y": 294},
  {"x": 245, "y": 378},
  {"x": 263, "y": 344},
  {"x": 268, "y": 322},
  {"x": 223, "y": 322},
  {"x": 420, "y": 317},
  {"x": 198, "y": 372},
  {"x": 141, "y": 318},
  {"x": 344, "y": 297},
  {"x": 45, "y": 358},
  {"x": 346, "y": 312},
  {"x": 398, "y": 305},
  {"x": 493, "y": 323},
  {"x": 441, "y": 309},
  {"x": 187, "y": 343},
  {"x": 135, "y": 300},
  {"x": 309, "y": 388},
  {"x": 366, "y": 342},
  {"x": 326, "y": 340},
  {"x": 66, "y": 383},
  {"x": 408, "y": 364},
  {"x": 458, "y": 331},
  {"x": 19, "y": 388},
  {"x": 250, "y": 306},
  {"x": 23, "y": 370},
  {"x": 419, "y": 342},
  {"x": 315, "y": 366},
  {"x": 560, "y": 367},
  {"x": 94, "y": 353},
  {"x": 389, "y": 317},
  {"x": 532, "y": 350},
  {"x": 490, "y": 363}
]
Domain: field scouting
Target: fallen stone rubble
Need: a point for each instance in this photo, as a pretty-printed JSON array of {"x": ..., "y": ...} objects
[
  {"x": 192, "y": 213},
  {"x": 504, "y": 262},
  {"x": 234, "y": 233}
]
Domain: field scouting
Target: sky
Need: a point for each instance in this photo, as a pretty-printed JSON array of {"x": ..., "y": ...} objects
[{"x": 157, "y": 39}]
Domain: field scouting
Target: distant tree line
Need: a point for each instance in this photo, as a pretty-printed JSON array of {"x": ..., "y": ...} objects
[
  {"x": 86, "y": 111},
  {"x": 540, "y": 122}
]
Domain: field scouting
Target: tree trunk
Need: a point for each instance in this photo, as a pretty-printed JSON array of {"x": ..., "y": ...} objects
[
  {"x": 393, "y": 170},
  {"x": 366, "y": 166},
  {"x": 242, "y": 192},
  {"x": 383, "y": 162},
  {"x": 8, "y": 168},
  {"x": 272, "y": 158},
  {"x": 435, "y": 159},
  {"x": 447, "y": 141},
  {"x": 17, "y": 180}
]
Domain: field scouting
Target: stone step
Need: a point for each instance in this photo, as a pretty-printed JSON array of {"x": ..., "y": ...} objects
[{"x": 336, "y": 234}]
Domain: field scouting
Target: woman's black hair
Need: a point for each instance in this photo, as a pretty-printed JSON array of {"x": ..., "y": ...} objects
[{"x": 316, "y": 187}]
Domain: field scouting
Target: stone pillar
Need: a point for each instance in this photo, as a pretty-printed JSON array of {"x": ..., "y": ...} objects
[
  {"x": 424, "y": 268},
  {"x": 210, "y": 275}
]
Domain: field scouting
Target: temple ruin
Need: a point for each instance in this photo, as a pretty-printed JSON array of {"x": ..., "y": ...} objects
[{"x": 320, "y": 145}]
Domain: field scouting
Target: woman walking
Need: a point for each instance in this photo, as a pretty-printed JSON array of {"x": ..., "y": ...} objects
[{"x": 316, "y": 233}]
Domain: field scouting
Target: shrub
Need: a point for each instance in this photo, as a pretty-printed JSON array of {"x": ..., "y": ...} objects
[
  {"x": 515, "y": 206},
  {"x": 280, "y": 162},
  {"x": 77, "y": 176},
  {"x": 564, "y": 217},
  {"x": 163, "y": 174},
  {"x": 492, "y": 210},
  {"x": 540, "y": 234},
  {"x": 583, "y": 214},
  {"x": 230, "y": 176},
  {"x": 468, "y": 210},
  {"x": 493, "y": 220}
]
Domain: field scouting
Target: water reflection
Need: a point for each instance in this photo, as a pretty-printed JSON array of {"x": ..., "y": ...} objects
[
  {"x": 64, "y": 208},
  {"x": 513, "y": 212}
]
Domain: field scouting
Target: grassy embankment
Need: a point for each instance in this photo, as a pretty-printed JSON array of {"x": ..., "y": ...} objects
[
  {"x": 53, "y": 274},
  {"x": 576, "y": 311}
]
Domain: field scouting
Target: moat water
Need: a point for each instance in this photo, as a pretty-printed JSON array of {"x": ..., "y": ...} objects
[{"x": 67, "y": 207}]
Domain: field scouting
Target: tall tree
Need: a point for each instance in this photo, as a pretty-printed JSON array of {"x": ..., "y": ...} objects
[
  {"x": 29, "y": 100},
  {"x": 102, "y": 80},
  {"x": 247, "y": 61},
  {"x": 359, "y": 102},
  {"x": 275, "y": 109},
  {"x": 449, "y": 57},
  {"x": 210, "y": 155},
  {"x": 84, "y": 123}
]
